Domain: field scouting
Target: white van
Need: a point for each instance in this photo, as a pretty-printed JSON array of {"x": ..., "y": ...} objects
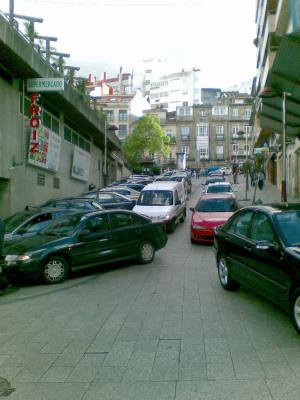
[{"x": 163, "y": 201}]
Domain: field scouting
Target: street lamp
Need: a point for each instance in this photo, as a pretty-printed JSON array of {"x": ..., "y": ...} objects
[
  {"x": 268, "y": 93},
  {"x": 111, "y": 128},
  {"x": 242, "y": 133}
]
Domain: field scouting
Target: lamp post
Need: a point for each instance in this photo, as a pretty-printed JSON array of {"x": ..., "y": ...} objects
[
  {"x": 268, "y": 93},
  {"x": 242, "y": 133}
]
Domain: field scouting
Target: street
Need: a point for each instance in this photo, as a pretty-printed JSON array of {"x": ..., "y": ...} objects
[{"x": 162, "y": 331}]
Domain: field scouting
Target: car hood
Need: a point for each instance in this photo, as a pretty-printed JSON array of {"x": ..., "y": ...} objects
[
  {"x": 153, "y": 211},
  {"x": 34, "y": 243},
  {"x": 211, "y": 219}
]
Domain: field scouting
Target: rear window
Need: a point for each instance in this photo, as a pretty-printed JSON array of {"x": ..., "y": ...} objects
[{"x": 217, "y": 205}]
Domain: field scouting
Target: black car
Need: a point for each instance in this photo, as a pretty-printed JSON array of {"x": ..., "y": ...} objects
[
  {"x": 74, "y": 203},
  {"x": 110, "y": 200},
  {"x": 81, "y": 240},
  {"x": 259, "y": 247},
  {"x": 30, "y": 221}
]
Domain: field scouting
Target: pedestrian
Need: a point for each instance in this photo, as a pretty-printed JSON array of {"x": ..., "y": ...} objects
[{"x": 260, "y": 180}]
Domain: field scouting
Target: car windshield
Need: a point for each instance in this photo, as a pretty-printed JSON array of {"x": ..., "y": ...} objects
[
  {"x": 216, "y": 205},
  {"x": 155, "y": 198},
  {"x": 14, "y": 221},
  {"x": 219, "y": 189},
  {"x": 288, "y": 224},
  {"x": 64, "y": 226}
]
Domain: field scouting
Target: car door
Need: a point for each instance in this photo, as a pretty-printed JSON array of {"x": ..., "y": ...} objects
[
  {"x": 95, "y": 243},
  {"x": 266, "y": 260},
  {"x": 127, "y": 232},
  {"x": 235, "y": 245}
]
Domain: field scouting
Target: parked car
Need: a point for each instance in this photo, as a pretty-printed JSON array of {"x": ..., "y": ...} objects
[
  {"x": 211, "y": 210},
  {"x": 163, "y": 201},
  {"x": 84, "y": 240},
  {"x": 212, "y": 179},
  {"x": 110, "y": 200},
  {"x": 219, "y": 187},
  {"x": 186, "y": 181},
  {"x": 136, "y": 186},
  {"x": 125, "y": 191},
  {"x": 75, "y": 203},
  {"x": 31, "y": 221},
  {"x": 259, "y": 247}
]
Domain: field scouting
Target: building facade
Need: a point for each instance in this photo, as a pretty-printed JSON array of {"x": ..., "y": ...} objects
[
  {"x": 51, "y": 142},
  {"x": 276, "y": 119},
  {"x": 174, "y": 90}
]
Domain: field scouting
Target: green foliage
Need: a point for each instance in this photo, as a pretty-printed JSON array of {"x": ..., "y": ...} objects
[
  {"x": 30, "y": 31},
  {"x": 147, "y": 137}
]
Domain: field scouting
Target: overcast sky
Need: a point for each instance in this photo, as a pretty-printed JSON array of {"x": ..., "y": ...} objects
[{"x": 102, "y": 35}]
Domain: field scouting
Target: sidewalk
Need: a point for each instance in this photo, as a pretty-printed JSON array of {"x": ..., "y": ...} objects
[{"x": 269, "y": 193}]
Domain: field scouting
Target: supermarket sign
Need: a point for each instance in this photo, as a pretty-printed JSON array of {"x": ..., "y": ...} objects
[{"x": 45, "y": 84}]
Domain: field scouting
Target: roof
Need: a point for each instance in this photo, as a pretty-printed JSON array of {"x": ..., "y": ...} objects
[
  {"x": 162, "y": 185},
  {"x": 207, "y": 196},
  {"x": 284, "y": 76}
]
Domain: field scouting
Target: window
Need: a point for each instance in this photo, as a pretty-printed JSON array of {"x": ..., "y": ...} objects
[
  {"x": 98, "y": 224},
  {"x": 261, "y": 228},
  {"x": 234, "y": 129},
  {"x": 219, "y": 150},
  {"x": 185, "y": 132},
  {"x": 247, "y": 129},
  {"x": 110, "y": 115},
  {"x": 73, "y": 137},
  {"x": 241, "y": 224},
  {"x": 202, "y": 113},
  {"x": 184, "y": 111},
  {"x": 202, "y": 130},
  {"x": 186, "y": 149},
  {"x": 235, "y": 148},
  {"x": 217, "y": 110},
  {"x": 123, "y": 115},
  {"x": 220, "y": 130},
  {"x": 248, "y": 113},
  {"x": 185, "y": 103},
  {"x": 169, "y": 132},
  {"x": 235, "y": 112},
  {"x": 203, "y": 152},
  {"x": 122, "y": 133}
]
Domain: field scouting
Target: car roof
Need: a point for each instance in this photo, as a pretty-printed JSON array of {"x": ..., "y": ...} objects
[
  {"x": 223, "y": 183},
  {"x": 207, "y": 196},
  {"x": 274, "y": 208},
  {"x": 161, "y": 185}
]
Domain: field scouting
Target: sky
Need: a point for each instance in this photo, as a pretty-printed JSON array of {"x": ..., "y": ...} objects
[{"x": 215, "y": 36}]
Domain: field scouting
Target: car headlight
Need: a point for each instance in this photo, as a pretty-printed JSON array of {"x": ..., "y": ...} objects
[
  {"x": 167, "y": 216},
  {"x": 199, "y": 227},
  {"x": 16, "y": 257}
]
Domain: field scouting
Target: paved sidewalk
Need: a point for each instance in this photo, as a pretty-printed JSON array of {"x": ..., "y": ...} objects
[{"x": 269, "y": 193}]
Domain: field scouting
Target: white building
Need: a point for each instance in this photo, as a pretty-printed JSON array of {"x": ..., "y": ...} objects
[{"x": 170, "y": 91}]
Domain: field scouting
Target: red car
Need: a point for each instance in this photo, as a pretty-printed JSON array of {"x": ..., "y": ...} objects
[{"x": 211, "y": 211}]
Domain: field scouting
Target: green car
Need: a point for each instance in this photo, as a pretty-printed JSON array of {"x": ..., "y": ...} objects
[{"x": 82, "y": 240}]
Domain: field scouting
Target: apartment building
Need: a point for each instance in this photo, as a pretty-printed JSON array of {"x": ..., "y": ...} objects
[
  {"x": 210, "y": 134},
  {"x": 170, "y": 91},
  {"x": 276, "y": 119}
]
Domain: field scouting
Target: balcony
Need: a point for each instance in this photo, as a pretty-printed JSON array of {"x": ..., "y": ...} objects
[{"x": 220, "y": 137}]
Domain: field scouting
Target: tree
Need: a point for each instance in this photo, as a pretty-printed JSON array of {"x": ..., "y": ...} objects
[{"x": 147, "y": 137}]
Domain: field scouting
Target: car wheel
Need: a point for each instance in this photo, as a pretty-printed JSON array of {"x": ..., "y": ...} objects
[
  {"x": 171, "y": 227},
  {"x": 224, "y": 275},
  {"x": 55, "y": 270},
  {"x": 295, "y": 309},
  {"x": 182, "y": 218},
  {"x": 146, "y": 252}
]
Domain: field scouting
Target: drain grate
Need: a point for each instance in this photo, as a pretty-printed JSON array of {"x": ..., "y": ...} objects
[{"x": 5, "y": 388}]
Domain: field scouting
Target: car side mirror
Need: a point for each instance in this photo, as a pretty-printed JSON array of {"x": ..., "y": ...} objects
[
  {"x": 177, "y": 203},
  {"x": 192, "y": 209}
]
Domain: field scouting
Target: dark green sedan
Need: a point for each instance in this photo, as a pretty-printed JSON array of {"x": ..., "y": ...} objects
[{"x": 82, "y": 240}]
